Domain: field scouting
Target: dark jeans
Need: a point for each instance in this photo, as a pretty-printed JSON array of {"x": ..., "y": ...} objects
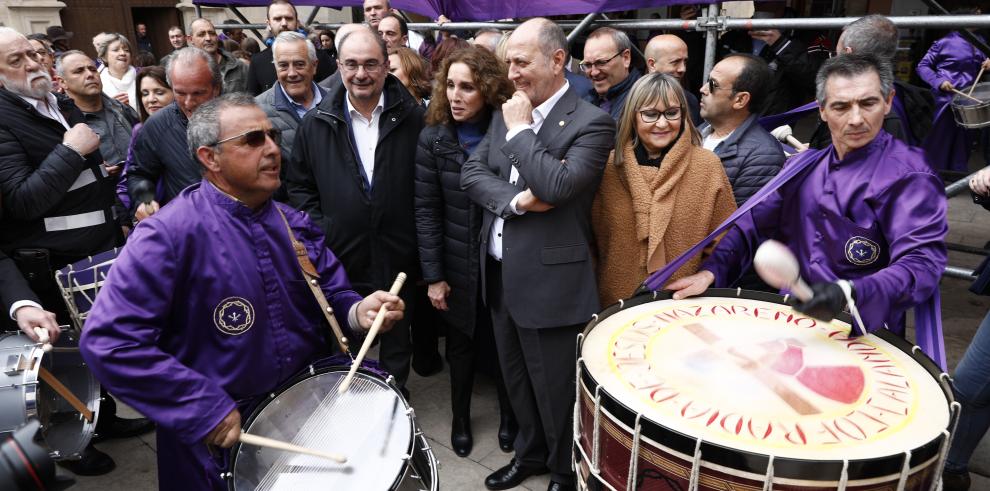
[{"x": 971, "y": 386}]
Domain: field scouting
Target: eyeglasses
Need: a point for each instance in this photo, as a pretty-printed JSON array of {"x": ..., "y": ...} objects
[
  {"x": 586, "y": 66},
  {"x": 255, "y": 138},
  {"x": 370, "y": 66},
  {"x": 653, "y": 115},
  {"x": 713, "y": 86}
]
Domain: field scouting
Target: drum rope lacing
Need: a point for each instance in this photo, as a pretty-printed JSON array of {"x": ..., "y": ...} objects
[
  {"x": 844, "y": 476},
  {"x": 596, "y": 440},
  {"x": 695, "y": 467},
  {"x": 768, "y": 478},
  {"x": 634, "y": 454},
  {"x": 905, "y": 470}
]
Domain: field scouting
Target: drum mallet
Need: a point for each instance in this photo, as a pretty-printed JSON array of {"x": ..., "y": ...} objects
[
  {"x": 375, "y": 326},
  {"x": 43, "y": 338},
  {"x": 775, "y": 263},
  {"x": 976, "y": 81},
  {"x": 260, "y": 441},
  {"x": 786, "y": 135}
]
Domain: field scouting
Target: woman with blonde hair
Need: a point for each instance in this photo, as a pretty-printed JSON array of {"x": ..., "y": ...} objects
[
  {"x": 661, "y": 192},
  {"x": 117, "y": 74}
]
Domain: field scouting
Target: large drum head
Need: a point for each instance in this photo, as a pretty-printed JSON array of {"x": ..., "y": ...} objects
[
  {"x": 761, "y": 378},
  {"x": 369, "y": 424}
]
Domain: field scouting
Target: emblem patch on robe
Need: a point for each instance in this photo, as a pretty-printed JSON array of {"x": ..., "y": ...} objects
[
  {"x": 234, "y": 316},
  {"x": 862, "y": 251}
]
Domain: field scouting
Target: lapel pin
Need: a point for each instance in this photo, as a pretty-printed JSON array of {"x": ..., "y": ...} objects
[{"x": 561, "y": 123}]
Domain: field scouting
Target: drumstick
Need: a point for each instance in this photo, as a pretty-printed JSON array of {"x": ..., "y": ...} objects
[
  {"x": 775, "y": 263},
  {"x": 260, "y": 441},
  {"x": 976, "y": 81},
  {"x": 66, "y": 394},
  {"x": 375, "y": 326},
  {"x": 43, "y": 338},
  {"x": 967, "y": 95}
]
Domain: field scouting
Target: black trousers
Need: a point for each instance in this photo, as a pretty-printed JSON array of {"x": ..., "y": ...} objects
[
  {"x": 467, "y": 354},
  {"x": 538, "y": 366},
  {"x": 395, "y": 348}
]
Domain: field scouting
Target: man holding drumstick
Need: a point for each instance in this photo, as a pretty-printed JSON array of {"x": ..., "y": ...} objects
[
  {"x": 207, "y": 307},
  {"x": 867, "y": 208}
]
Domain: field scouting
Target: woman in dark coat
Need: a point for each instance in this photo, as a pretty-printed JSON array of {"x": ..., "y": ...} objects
[{"x": 470, "y": 85}]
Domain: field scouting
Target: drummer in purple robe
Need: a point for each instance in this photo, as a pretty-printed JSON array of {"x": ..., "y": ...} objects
[
  {"x": 867, "y": 208},
  {"x": 951, "y": 63},
  {"x": 207, "y": 308}
]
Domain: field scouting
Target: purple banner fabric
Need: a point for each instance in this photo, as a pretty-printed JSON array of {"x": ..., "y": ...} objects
[{"x": 481, "y": 10}]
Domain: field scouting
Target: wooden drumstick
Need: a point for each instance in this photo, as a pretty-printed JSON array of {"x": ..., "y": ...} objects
[
  {"x": 43, "y": 338},
  {"x": 976, "y": 81},
  {"x": 260, "y": 441},
  {"x": 66, "y": 394},
  {"x": 375, "y": 326},
  {"x": 967, "y": 95}
]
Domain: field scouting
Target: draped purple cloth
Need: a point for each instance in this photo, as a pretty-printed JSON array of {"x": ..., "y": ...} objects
[{"x": 482, "y": 10}]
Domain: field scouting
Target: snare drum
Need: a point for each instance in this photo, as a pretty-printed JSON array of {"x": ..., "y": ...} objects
[
  {"x": 970, "y": 113},
  {"x": 23, "y": 396},
  {"x": 371, "y": 424},
  {"x": 735, "y": 390},
  {"x": 80, "y": 282}
]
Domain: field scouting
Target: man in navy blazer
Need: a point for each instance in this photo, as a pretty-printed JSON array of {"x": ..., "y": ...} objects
[{"x": 535, "y": 175}]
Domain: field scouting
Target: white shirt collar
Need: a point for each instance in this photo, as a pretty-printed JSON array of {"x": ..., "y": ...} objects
[
  {"x": 378, "y": 109},
  {"x": 49, "y": 99},
  {"x": 547, "y": 106}
]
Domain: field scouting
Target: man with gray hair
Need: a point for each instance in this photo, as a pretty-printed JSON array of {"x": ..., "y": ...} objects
[
  {"x": 912, "y": 109},
  {"x": 210, "y": 310},
  {"x": 295, "y": 93},
  {"x": 535, "y": 175},
  {"x": 866, "y": 215},
  {"x": 487, "y": 38},
  {"x": 607, "y": 62},
  {"x": 160, "y": 148}
]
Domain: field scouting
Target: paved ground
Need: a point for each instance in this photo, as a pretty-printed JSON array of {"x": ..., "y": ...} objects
[{"x": 962, "y": 313}]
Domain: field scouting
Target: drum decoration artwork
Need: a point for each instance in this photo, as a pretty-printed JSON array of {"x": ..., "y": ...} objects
[
  {"x": 735, "y": 390},
  {"x": 80, "y": 282},
  {"x": 371, "y": 424},
  {"x": 24, "y": 395}
]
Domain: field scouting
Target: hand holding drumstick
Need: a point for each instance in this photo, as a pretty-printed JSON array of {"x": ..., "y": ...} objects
[{"x": 390, "y": 308}]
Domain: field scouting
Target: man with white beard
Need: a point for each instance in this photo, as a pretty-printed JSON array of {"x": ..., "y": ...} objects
[{"x": 56, "y": 198}]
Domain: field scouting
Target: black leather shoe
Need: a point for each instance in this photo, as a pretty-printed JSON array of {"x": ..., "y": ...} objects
[
  {"x": 556, "y": 486},
  {"x": 512, "y": 475},
  {"x": 114, "y": 427},
  {"x": 460, "y": 436},
  {"x": 427, "y": 365},
  {"x": 92, "y": 463},
  {"x": 955, "y": 481},
  {"x": 507, "y": 429}
]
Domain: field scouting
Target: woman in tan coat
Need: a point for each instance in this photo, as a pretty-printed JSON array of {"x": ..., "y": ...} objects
[{"x": 661, "y": 192}]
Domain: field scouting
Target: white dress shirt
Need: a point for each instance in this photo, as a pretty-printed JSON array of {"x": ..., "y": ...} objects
[
  {"x": 48, "y": 107},
  {"x": 366, "y": 134},
  {"x": 540, "y": 114}
]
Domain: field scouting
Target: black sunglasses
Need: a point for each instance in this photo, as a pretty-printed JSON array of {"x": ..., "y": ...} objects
[{"x": 255, "y": 138}]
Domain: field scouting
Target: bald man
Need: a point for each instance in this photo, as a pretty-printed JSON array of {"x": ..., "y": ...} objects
[{"x": 668, "y": 54}]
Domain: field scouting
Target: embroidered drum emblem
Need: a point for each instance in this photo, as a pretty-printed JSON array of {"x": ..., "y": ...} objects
[
  {"x": 234, "y": 316},
  {"x": 862, "y": 251}
]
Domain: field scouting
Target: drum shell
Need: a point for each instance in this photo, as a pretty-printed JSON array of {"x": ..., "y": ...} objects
[
  {"x": 970, "y": 114},
  {"x": 22, "y": 396},
  {"x": 666, "y": 456}
]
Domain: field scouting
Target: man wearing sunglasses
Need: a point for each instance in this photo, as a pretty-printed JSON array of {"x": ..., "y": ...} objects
[
  {"x": 208, "y": 308},
  {"x": 730, "y": 102},
  {"x": 607, "y": 62}
]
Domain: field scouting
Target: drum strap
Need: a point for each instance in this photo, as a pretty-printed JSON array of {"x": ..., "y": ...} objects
[{"x": 313, "y": 280}]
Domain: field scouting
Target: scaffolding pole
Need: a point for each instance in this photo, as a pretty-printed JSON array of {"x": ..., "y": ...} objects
[{"x": 711, "y": 39}]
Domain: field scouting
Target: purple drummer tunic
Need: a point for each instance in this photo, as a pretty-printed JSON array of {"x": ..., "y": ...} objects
[
  {"x": 876, "y": 217},
  {"x": 950, "y": 59},
  {"x": 206, "y": 308}
]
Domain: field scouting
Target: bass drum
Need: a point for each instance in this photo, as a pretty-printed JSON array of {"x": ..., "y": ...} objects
[
  {"x": 735, "y": 390},
  {"x": 371, "y": 424},
  {"x": 24, "y": 396}
]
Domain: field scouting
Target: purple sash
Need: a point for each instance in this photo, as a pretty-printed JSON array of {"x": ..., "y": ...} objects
[
  {"x": 927, "y": 314},
  {"x": 773, "y": 121}
]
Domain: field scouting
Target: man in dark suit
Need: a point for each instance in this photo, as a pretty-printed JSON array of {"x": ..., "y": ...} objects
[
  {"x": 23, "y": 305},
  {"x": 535, "y": 175}
]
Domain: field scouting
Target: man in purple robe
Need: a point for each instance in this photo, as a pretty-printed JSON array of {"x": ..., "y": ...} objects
[
  {"x": 207, "y": 307},
  {"x": 951, "y": 63},
  {"x": 867, "y": 208}
]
